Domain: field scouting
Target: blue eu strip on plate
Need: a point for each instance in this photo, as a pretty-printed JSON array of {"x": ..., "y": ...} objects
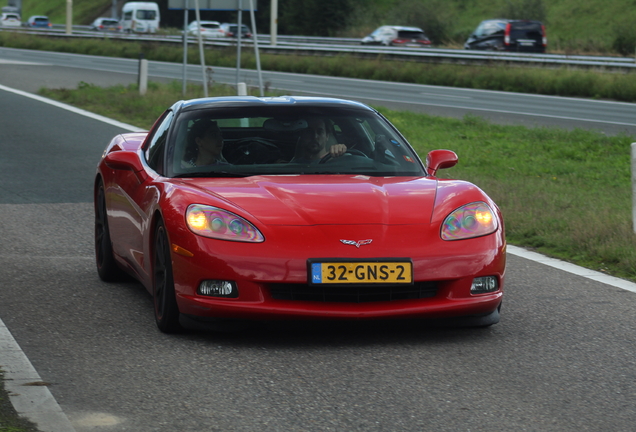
[{"x": 316, "y": 273}]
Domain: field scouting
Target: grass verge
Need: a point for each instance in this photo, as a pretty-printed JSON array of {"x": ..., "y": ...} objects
[
  {"x": 564, "y": 193},
  {"x": 559, "y": 81}
]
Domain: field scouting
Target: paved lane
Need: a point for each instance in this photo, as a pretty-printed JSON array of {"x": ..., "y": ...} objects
[
  {"x": 47, "y": 155},
  {"x": 561, "y": 359}
]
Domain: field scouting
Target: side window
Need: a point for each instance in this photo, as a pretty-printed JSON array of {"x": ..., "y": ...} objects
[
  {"x": 498, "y": 27},
  {"x": 156, "y": 149},
  {"x": 128, "y": 15}
]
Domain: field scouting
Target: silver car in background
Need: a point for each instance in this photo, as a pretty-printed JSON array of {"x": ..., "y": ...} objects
[{"x": 399, "y": 36}]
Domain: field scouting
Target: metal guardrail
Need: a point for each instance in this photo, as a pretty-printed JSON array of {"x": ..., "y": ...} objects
[{"x": 323, "y": 46}]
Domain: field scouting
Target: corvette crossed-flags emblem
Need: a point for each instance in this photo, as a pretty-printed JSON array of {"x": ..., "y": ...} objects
[{"x": 357, "y": 243}]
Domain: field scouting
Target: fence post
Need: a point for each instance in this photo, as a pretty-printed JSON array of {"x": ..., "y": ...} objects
[{"x": 143, "y": 76}]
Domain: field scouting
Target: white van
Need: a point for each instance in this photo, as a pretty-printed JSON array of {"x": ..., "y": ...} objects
[{"x": 140, "y": 17}]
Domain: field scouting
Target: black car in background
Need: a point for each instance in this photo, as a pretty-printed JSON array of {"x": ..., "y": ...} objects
[
  {"x": 231, "y": 30},
  {"x": 508, "y": 35}
]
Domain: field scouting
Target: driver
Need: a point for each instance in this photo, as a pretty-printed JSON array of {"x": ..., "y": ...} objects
[
  {"x": 313, "y": 142},
  {"x": 206, "y": 144}
]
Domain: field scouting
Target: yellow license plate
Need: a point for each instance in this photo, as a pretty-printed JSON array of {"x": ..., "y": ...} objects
[{"x": 363, "y": 272}]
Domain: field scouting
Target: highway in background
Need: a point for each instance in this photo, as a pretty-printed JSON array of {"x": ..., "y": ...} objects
[
  {"x": 561, "y": 359},
  {"x": 501, "y": 107},
  {"x": 332, "y": 46}
]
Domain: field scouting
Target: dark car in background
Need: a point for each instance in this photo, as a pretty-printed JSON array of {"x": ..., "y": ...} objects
[
  {"x": 508, "y": 35},
  {"x": 397, "y": 36},
  {"x": 231, "y": 30}
]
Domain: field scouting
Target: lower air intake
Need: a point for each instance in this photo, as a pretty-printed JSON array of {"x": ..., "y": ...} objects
[{"x": 348, "y": 294}]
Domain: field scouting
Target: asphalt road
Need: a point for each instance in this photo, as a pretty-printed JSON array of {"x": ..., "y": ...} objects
[{"x": 561, "y": 359}]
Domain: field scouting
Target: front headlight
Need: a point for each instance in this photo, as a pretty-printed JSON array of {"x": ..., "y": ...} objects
[
  {"x": 472, "y": 220},
  {"x": 221, "y": 224}
]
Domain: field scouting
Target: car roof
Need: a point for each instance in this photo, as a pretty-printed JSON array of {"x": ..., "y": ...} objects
[
  {"x": 38, "y": 16},
  {"x": 405, "y": 28},
  {"x": 206, "y": 22},
  {"x": 253, "y": 101},
  {"x": 504, "y": 20}
]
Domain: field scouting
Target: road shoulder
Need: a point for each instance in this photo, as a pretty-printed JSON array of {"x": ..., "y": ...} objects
[{"x": 28, "y": 394}]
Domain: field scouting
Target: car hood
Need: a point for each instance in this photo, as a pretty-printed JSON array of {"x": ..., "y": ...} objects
[{"x": 323, "y": 200}]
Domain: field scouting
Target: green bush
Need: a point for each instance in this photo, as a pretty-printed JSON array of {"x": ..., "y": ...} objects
[{"x": 625, "y": 40}]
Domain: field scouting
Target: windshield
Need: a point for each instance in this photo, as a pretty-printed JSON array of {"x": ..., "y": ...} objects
[
  {"x": 530, "y": 30},
  {"x": 146, "y": 15},
  {"x": 266, "y": 140},
  {"x": 234, "y": 29},
  {"x": 407, "y": 34}
]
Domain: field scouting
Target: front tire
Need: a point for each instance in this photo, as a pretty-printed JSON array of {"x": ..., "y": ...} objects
[
  {"x": 163, "y": 294},
  {"x": 107, "y": 268}
]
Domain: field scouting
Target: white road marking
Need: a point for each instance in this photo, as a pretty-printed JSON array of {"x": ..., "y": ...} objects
[
  {"x": 73, "y": 109},
  {"x": 18, "y": 62},
  {"x": 437, "y": 95},
  {"x": 572, "y": 268},
  {"x": 30, "y": 396}
]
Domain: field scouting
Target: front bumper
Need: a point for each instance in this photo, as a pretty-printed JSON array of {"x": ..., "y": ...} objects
[{"x": 260, "y": 270}]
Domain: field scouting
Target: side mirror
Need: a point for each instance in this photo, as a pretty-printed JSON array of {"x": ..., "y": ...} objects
[
  {"x": 126, "y": 160},
  {"x": 123, "y": 160},
  {"x": 439, "y": 159}
]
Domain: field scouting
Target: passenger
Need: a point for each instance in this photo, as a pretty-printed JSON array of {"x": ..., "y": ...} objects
[
  {"x": 205, "y": 144},
  {"x": 313, "y": 143}
]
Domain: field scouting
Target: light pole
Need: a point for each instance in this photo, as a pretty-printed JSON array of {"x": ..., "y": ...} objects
[{"x": 273, "y": 25}]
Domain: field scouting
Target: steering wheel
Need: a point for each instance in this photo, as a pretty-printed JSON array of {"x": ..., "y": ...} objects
[{"x": 350, "y": 152}]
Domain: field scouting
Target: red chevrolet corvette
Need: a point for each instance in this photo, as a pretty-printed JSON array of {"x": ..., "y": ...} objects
[{"x": 243, "y": 208}]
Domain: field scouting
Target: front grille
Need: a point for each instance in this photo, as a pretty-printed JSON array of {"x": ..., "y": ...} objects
[{"x": 352, "y": 294}]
